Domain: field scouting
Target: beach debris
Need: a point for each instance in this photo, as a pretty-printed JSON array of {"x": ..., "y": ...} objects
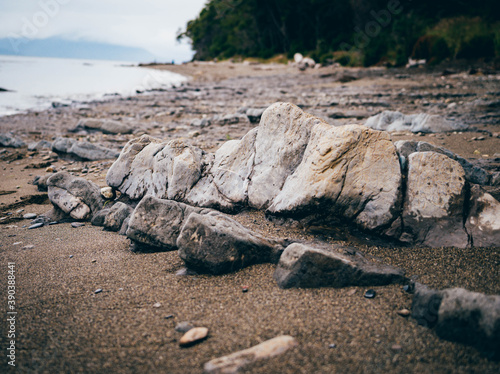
[
  {"x": 460, "y": 315},
  {"x": 184, "y": 327},
  {"x": 83, "y": 150},
  {"x": 103, "y": 125},
  {"x": 35, "y": 226},
  {"x": 9, "y": 140},
  {"x": 305, "y": 266},
  {"x": 422, "y": 122},
  {"x": 214, "y": 243},
  {"x": 193, "y": 336},
  {"x": 370, "y": 294},
  {"x": 234, "y": 362}
]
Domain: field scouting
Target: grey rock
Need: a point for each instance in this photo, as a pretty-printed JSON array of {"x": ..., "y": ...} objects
[
  {"x": 99, "y": 217},
  {"x": 76, "y": 225},
  {"x": 473, "y": 173},
  {"x": 75, "y": 196},
  {"x": 29, "y": 216},
  {"x": 9, "y": 140},
  {"x": 148, "y": 166},
  {"x": 305, "y": 266},
  {"x": 462, "y": 316},
  {"x": 229, "y": 119},
  {"x": 232, "y": 363},
  {"x": 37, "y": 146},
  {"x": 201, "y": 122},
  {"x": 41, "y": 181},
  {"x": 254, "y": 114},
  {"x": 214, "y": 243},
  {"x": 433, "y": 212},
  {"x": 483, "y": 221},
  {"x": 348, "y": 174},
  {"x": 35, "y": 226},
  {"x": 105, "y": 126},
  {"x": 422, "y": 122},
  {"x": 184, "y": 327},
  {"x": 158, "y": 223},
  {"x": 53, "y": 215},
  {"x": 83, "y": 150},
  {"x": 118, "y": 213}
]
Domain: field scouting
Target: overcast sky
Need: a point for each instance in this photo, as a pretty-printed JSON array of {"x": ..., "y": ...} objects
[{"x": 149, "y": 24}]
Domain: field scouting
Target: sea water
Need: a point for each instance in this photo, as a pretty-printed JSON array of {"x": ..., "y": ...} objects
[{"x": 37, "y": 83}]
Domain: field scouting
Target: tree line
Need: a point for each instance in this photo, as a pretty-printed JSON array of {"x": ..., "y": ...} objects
[{"x": 349, "y": 31}]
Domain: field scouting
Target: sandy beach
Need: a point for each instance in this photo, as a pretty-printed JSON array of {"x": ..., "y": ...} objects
[{"x": 63, "y": 326}]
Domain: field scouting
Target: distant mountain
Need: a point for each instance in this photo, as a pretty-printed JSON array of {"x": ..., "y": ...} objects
[{"x": 62, "y": 48}]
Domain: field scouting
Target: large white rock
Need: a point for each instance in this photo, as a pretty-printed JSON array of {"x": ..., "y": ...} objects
[
  {"x": 161, "y": 169},
  {"x": 347, "y": 173},
  {"x": 282, "y": 138},
  {"x": 433, "y": 212}
]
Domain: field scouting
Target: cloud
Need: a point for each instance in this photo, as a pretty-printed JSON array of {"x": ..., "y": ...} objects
[{"x": 149, "y": 24}]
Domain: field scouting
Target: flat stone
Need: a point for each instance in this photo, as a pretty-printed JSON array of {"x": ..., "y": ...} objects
[
  {"x": 193, "y": 336},
  {"x": 303, "y": 266},
  {"x": 29, "y": 216},
  {"x": 77, "y": 224},
  {"x": 36, "y": 226},
  {"x": 214, "y": 243},
  {"x": 238, "y": 360}
]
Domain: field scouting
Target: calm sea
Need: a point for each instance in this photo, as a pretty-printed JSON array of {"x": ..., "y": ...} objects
[{"x": 35, "y": 82}]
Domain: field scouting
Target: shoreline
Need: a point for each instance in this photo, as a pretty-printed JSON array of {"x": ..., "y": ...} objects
[{"x": 68, "y": 327}]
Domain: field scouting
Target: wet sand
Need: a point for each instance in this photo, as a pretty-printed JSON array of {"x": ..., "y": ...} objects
[{"x": 63, "y": 326}]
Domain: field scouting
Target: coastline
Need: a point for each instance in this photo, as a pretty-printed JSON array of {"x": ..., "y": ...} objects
[{"x": 67, "y": 327}]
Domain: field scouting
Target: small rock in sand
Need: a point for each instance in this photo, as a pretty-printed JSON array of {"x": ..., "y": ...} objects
[
  {"x": 370, "y": 294},
  {"x": 35, "y": 226},
  {"x": 193, "y": 336},
  {"x": 29, "y": 216},
  {"x": 77, "y": 224},
  {"x": 183, "y": 327}
]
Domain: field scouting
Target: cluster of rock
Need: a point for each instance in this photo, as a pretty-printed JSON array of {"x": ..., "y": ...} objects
[
  {"x": 294, "y": 165},
  {"x": 102, "y": 125},
  {"x": 11, "y": 141},
  {"x": 304, "y": 63}
]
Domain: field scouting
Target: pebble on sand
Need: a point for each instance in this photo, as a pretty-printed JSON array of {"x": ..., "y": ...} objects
[
  {"x": 29, "y": 216},
  {"x": 30, "y": 246},
  {"x": 77, "y": 224},
  {"x": 183, "y": 327},
  {"x": 99, "y": 290},
  {"x": 35, "y": 226},
  {"x": 193, "y": 336},
  {"x": 404, "y": 312},
  {"x": 370, "y": 294}
]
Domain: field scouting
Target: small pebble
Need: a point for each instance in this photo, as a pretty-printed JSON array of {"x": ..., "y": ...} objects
[
  {"x": 99, "y": 290},
  {"x": 183, "y": 327},
  {"x": 53, "y": 223},
  {"x": 351, "y": 292},
  {"x": 94, "y": 261},
  {"x": 370, "y": 294},
  {"x": 193, "y": 336},
  {"x": 396, "y": 347},
  {"x": 30, "y": 246},
  {"x": 77, "y": 224},
  {"x": 244, "y": 289},
  {"x": 29, "y": 216},
  {"x": 170, "y": 316},
  {"x": 332, "y": 345},
  {"x": 404, "y": 312},
  {"x": 17, "y": 243},
  {"x": 70, "y": 256},
  {"x": 408, "y": 288},
  {"x": 35, "y": 226},
  {"x": 157, "y": 305}
]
